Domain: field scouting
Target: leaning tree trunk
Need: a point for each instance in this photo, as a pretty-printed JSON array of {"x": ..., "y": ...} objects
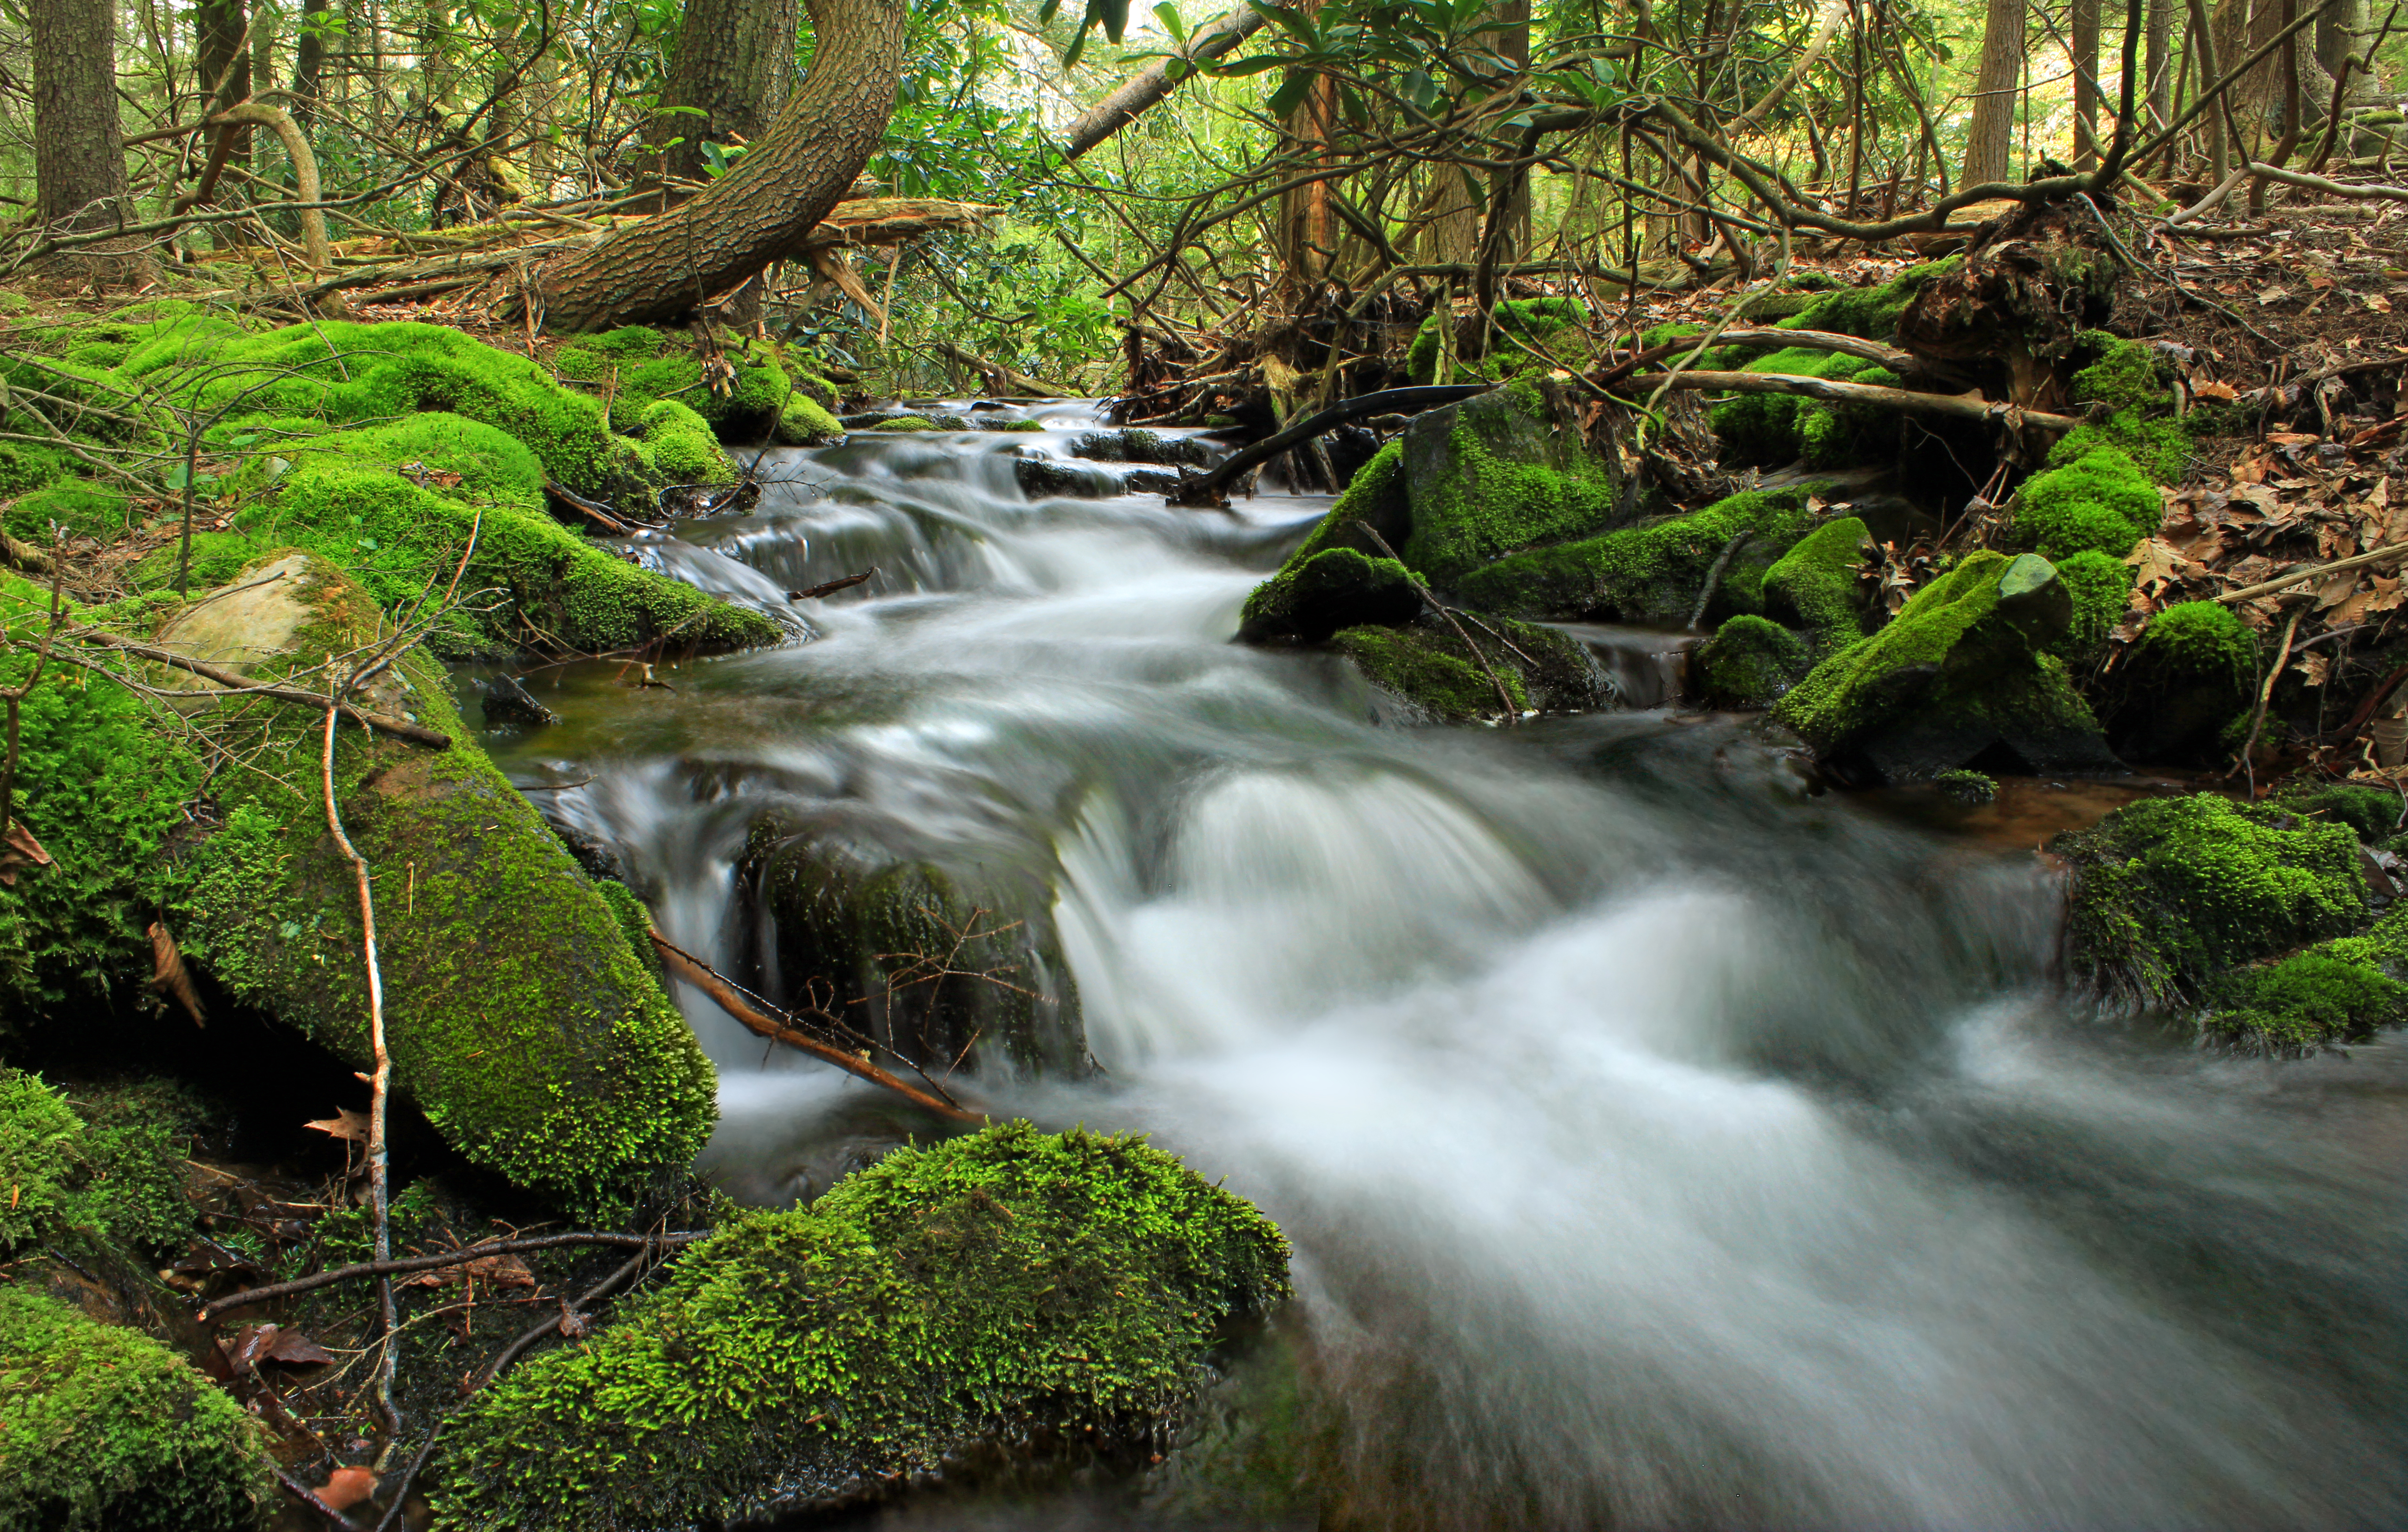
[
  {"x": 733, "y": 61},
  {"x": 760, "y": 211},
  {"x": 79, "y": 152},
  {"x": 1989, "y": 142},
  {"x": 224, "y": 67}
]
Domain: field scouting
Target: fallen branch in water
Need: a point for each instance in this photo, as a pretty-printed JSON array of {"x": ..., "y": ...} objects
[
  {"x": 466, "y": 1253},
  {"x": 756, "y": 1019},
  {"x": 831, "y": 587}
]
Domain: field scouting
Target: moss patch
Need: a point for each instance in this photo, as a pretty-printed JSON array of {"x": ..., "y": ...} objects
[
  {"x": 1750, "y": 662},
  {"x": 40, "y": 1135},
  {"x": 1001, "y": 1286},
  {"x": 1653, "y": 573},
  {"x": 2101, "y": 587},
  {"x": 105, "y": 1430},
  {"x": 1777, "y": 428},
  {"x": 1540, "y": 323},
  {"x": 2098, "y": 502},
  {"x": 2188, "y": 676},
  {"x": 1815, "y": 583}
]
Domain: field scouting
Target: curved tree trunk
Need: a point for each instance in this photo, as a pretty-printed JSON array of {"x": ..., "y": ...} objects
[
  {"x": 733, "y": 63},
  {"x": 762, "y": 211}
]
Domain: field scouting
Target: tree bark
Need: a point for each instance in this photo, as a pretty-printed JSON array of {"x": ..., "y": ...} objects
[
  {"x": 2084, "y": 28},
  {"x": 79, "y": 152},
  {"x": 765, "y": 208},
  {"x": 308, "y": 63},
  {"x": 1989, "y": 142},
  {"x": 2158, "y": 68},
  {"x": 222, "y": 57},
  {"x": 1143, "y": 89},
  {"x": 733, "y": 63}
]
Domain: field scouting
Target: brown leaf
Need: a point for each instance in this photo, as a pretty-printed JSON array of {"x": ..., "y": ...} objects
[
  {"x": 2215, "y": 389},
  {"x": 2158, "y": 565},
  {"x": 2291, "y": 438},
  {"x": 2332, "y": 592},
  {"x": 2316, "y": 667},
  {"x": 19, "y": 849},
  {"x": 351, "y": 1127},
  {"x": 2272, "y": 293},
  {"x": 501, "y": 1270},
  {"x": 2376, "y": 301},
  {"x": 168, "y": 975},
  {"x": 295, "y": 1350},
  {"x": 346, "y": 1487}
]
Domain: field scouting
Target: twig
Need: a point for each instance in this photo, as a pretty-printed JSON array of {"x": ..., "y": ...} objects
[
  {"x": 308, "y": 1497},
  {"x": 1512, "y": 712},
  {"x": 1714, "y": 575},
  {"x": 235, "y": 681},
  {"x": 461, "y": 1256},
  {"x": 2300, "y": 577}
]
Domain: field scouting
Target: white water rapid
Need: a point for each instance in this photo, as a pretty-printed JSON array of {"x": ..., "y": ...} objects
[{"x": 1661, "y": 1147}]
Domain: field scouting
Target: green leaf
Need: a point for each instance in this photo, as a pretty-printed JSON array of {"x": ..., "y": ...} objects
[
  {"x": 1291, "y": 94},
  {"x": 1168, "y": 14}
]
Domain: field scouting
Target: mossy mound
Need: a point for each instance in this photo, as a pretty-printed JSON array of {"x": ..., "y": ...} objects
[
  {"x": 1750, "y": 662},
  {"x": 763, "y": 390},
  {"x": 102, "y": 1429},
  {"x": 1002, "y": 1288},
  {"x": 1959, "y": 678},
  {"x": 2190, "y": 675},
  {"x": 1334, "y": 588},
  {"x": 39, "y": 1133},
  {"x": 1541, "y": 325},
  {"x": 108, "y": 1163},
  {"x": 1779, "y": 428},
  {"x": 872, "y": 929},
  {"x": 1429, "y": 666},
  {"x": 1814, "y": 584},
  {"x": 2128, "y": 379},
  {"x": 1652, "y": 574},
  {"x": 2101, "y": 587},
  {"x": 1971, "y": 789},
  {"x": 1871, "y": 313},
  {"x": 2098, "y": 502},
  {"x": 1493, "y": 473},
  {"x": 501, "y": 950},
  {"x": 2309, "y": 1000},
  {"x": 2171, "y": 895}
]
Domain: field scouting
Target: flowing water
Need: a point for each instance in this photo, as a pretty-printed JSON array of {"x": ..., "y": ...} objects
[{"x": 1661, "y": 1145}]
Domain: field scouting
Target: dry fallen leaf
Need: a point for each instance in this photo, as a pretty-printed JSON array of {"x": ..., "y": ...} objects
[
  {"x": 2215, "y": 389},
  {"x": 346, "y": 1487},
  {"x": 347, "y": 1124},
  {"x": 18, "y": 850},
  {"x": 2316, "y": 667},
  {"x": 2272, "y": 294},
  {"x": 2376, "y": 301},
  {"x": 2159, "y": 564}
]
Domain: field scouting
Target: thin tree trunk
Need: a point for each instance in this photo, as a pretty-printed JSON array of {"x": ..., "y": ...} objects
[
  {"x": 308, "y": 63},
  {"x": 727, "y": 78},
  {"x": 1142, "y": 90},
  {"x": 766, "y": 208},
  {"x": 2158, "y": 69},
  {"x": 78, "y": 151},
  {"x": 1989, "y": 142},
  {"x": 2085, "y": 84}
]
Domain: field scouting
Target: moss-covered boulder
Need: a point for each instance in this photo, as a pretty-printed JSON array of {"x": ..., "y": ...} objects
[
  {"x": 492, "y": 943},
  {"x": 1427, "y": 665},
  {"x": 757, "y": 390},
  {"x": 1492, "y": 474},
  {"x": 102, "y": 1429},
  {"x": 1814, "y": 584},
  {"x": 2098, "y": 502},
  {"x": 1961, "y": 676},
  {"x": 2102, "y": 589},
  {"x": 2184, "y": 685},
  {"x": 1006, "y": 1289},
  {"x": 1312, "y": 597},
  {"x": 2246, "y": 922},
  {"x": 1652, "y": 574},
  {"x": 107, "y": 1164},
  {"x": 943, "y": 965},
  {"x": 1749, "y": 663},
  {"x": 2129, "y": 381}
]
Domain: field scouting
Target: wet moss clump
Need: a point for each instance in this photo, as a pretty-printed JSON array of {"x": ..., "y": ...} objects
[
  {"x": 2189, "y": 678},
  {"x": 1494, "y": 474},
  {"x": 1815, "y": 583},
  {"x": 1973, "y": 789},
  {"x": 2306, "y": 1002},
  {"x": 1007, "y": 1288},
  {"x": 2169, "y": 894},
  {"x": 2101, "y": 587},
  {"x": 1311, "y": 598},
  {"x": 1428, "y": 664},
  {"x": 2127, "y": 380},
  {"x": 1750, "y": 662},
  {"x": 2100, "y": 502},
  {"x": 1539, "y": 322},
  {"x": 102, "y": 1429},
  {"x": 1654, "y": 573},
  {"x": 40, "y": 1135},
  {"x": 763, "y": 390}
]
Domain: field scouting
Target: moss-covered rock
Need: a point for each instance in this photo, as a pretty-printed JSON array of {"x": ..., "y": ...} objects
[
  {"x": 762, "y": 388},
  {"x": 1959, "y": 678},
  {"x": 40, "y": 1135},
  {"x": 1970, "y": 789},
  {"x": 2170, "y": 896},
  {"x": 875, "y": 930},
  {"x": 1493, "y": 473},
  {"x": 1427, "y": 665},
  {"x": 493, "y": 946},
  {"x": 2305, "y": 1002},
  {"x": 1542, "y": 324},
  {"x": 1004, "y": 1288},
  {"x": 2128, "y": 379},
  {"x": 1778, "y": 428},
  {"x": 2186, "y": 679},
  {"x": 1654, "y": 573},
  {"x": 2102, "y": 588},
  {"x": 1750, "y": 662},
  {"x": 105, "y": 1430},
  {"x": 2099, "y": 502},
  {"x": 1814, "y": 584},
  {"x": 1334, "y": 588}
]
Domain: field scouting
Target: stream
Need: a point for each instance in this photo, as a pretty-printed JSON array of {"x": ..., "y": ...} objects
[{"x": 1660, "y": 1145}]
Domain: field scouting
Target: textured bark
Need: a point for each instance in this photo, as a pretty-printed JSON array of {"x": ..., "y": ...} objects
[
  {"x": 1143, "y": 89},
  {"x": 308, "y": 63},
  {"x": 2256, "y": 100},
  {"x": 79, "y": 152},
  {"x": 2159, "y": 69},
  {"x": 2085, "y": 84},
  {"x": 763, "y": 211},
  {"x": 222, "y": 57},
  {"x": 1989, "y": 142},
  {"x": 733, "y": 61}
]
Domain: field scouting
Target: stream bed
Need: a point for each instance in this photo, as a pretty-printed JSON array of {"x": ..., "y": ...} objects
[{"x": 1661, "y": 1145}]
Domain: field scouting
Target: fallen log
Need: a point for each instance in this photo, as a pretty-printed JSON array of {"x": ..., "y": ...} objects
[
  {"x": 695, "y": 971},
  {"x": 1874, "y": 351},
  {"x": 1210, "y": 488},
  {"x": 1832, "y": 391}
]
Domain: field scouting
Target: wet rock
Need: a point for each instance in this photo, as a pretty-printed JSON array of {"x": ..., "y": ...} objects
[
  {"x": 995, "y": 1296},
  {"x": 1959, "y": 678},
  {"x": 509, "y": 702},
  {"x": 1749, "y": 663},
  {"x": 1133, "y": 445},
  {"x": 1052, "y": 478},
  {"x": 1653, "y": 574},
  {"x": 2250, "y": 922},
  {"x": 943, "y": 966},
  {"x": 1429, "y": 667},
  {"x": 1336, "y": 588},
  {"x": 2186, "y": 687}
]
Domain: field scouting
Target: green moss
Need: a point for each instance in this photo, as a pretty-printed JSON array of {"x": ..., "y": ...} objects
[
  {"x": 2126, "y": 378},
  {"x": 2100, "y": 502},
  {"x": 1434, "y": 671},
  {"x": 105, "y": 1430},
  {"x": 2168, "y": 892},
  {"x": 40, "y": 1135},
  {"x": 1537, "y": 321},
  {"x": 683, "y": 447},
  {"x": 2193, "y": 670},
  {"x": 635, "y": 922},
  {"x": 1500, "y": 478},
  {"x": 1776, "y": 428},
  {"x": 1750, "y": 662},
  {"x": 130, "y": 1187},
  {"x": 1970, "y": 788},
  {"x": 2373, "y": 813},
  {"x": 1334, "y": 588},
  {"x": 1871, "y": 313},
  {"x": 2101, "y": 587},
  {"x": 1010, "y": 1284},
  {"x": 2163, "y": 447},
  {"x": 24, "y": 467},
  {"x": 2203, "y": 639},
  {"x": 1815, "y": 583},
  {"x": 80, "y": 509},
  {"x": 2307, "y": 1001},
  {"x": 804, "y": 421},
  {"x": 1653, "y": 573}
]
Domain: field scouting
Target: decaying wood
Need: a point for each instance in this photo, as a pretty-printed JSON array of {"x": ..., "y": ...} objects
[
  {"x": 305, "y": 171},
  {"x": 695, "y": 971},
  {"x": 1210, "y": 488}
]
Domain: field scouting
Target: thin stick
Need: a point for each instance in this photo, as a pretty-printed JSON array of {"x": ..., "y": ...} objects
[
  {"x": 436, "y": 1263},
  {"x": 380, "y": 1083},
  {"x": 1513, "y": 713},
  {"x": 234, "y": 682},
  {"x": 2300, "y": 577},
  {"x": 2265, "y": 694}
]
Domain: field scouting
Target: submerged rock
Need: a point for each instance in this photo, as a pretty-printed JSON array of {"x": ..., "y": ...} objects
[
  {"x": 1961, "y": 676},
  {"x": 2236, "y": 918},
  {"x": 509, "y": 702},
  {"x": 1011, "y": 1290},
  {"x": 1429, "y": 667}
]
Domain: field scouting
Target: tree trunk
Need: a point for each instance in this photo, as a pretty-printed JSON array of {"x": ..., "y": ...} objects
[
  {"x": 1143, "y": 89},
  {"x": 222, "y": 56},
  {"x": 765, "y": 208},
  {"x": 308, "y": 63},
  {"x": 79, "y": 152},
  {"x": 733, "y": 63},
  {"x": 1989, "y": 142},
  {"x": 2157, "y": 68},
  {"x": 2085, "y": 84}
]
